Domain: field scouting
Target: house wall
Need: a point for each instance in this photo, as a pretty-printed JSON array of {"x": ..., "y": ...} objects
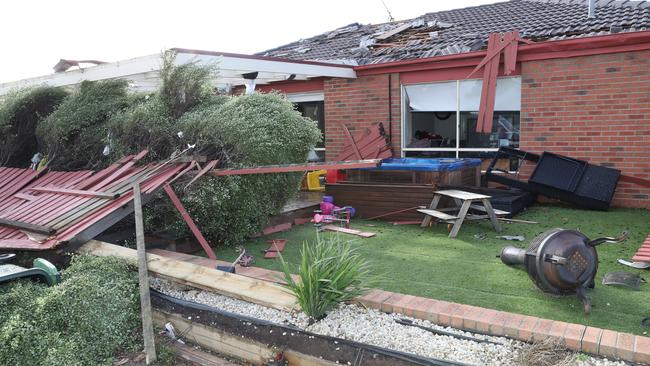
[
  {"x": 360, "y": 103},
  {"x": 595, "y": 108}
]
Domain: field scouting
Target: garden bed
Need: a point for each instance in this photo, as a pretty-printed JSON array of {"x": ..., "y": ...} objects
[{"x": 341, "y": 335}]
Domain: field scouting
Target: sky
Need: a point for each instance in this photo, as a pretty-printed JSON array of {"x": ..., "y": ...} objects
[{"x": 37, "y": 33}]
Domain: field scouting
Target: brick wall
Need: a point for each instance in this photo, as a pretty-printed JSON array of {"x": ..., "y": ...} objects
[
  {"x": 595, "y": 108},
  {"x": 359, "y": 103}
]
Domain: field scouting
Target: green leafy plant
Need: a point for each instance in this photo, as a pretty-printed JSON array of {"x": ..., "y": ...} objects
[
  {"x": 74, "y": 136},
  {"x": 84, "y": 320},
  {"x": 240, "y": 131},
  {"x": 331, "y": 272},
  {"x": 20, "y": 113}
]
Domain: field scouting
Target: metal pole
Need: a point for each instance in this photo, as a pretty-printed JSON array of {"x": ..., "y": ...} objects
[{"x": 143, "y": 279}]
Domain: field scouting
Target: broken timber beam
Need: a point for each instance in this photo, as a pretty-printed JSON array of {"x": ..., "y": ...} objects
[
  {"x": 286, "y": 168},
  {"x": 233, "y": 285},
  {"x": 39, "y": 229}
]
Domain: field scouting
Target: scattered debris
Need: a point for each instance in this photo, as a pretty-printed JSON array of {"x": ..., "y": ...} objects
[
  {"x": 231, "y": 268},
  {"x": 625, "y": 279},
  {"x": 301, "y": 220},
  {"x": 511, "y": 237},
  {"x": 547, "y": 352},
  {"x": 360, "y": 233},
  {"x": 276, "y": 229},
  {"x": 369, "y": 143},
  {"x": 407, "y": 222},
  {"x": 557, "y": 176},
  {"x": 480, "y": 236},
  {"x": 637, "y": 265},
  {"x": 277, "y": 246}
]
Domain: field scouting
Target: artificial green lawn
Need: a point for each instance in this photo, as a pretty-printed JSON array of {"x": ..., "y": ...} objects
[{"x": 425, "y": 262}]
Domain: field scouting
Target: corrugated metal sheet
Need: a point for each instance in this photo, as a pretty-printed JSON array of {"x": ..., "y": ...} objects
[{"x": 69, "y": 215}]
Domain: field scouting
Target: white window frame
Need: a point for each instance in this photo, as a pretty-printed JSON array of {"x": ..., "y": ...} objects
[
  {"x": 317, "y": 96},
  {"x": 457, "y": 149}
]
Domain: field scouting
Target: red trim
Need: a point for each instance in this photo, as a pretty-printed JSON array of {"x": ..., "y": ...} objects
[
  {"x": 428, "y": 76},
  {"x": 255, "y": 57},
  {"x": 288, "y": 87},
  {"x": 586, "y": 46}
]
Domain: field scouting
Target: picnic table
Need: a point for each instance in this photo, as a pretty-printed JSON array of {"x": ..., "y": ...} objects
[{"x": 466, "y": 204}]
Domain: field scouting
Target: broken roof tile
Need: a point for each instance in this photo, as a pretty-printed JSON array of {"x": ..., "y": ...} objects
[{"x": 466, "y": 29}]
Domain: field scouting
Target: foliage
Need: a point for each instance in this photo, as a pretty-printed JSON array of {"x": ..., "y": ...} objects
[
  {"x": 245, "y": 130},
  {"x": 20, "y": 113},
  {"x": 331, "y": 272},
  {"x": 83, "y": 320},
  {"x": 75, "y": 135},
  {"x": 184, "y": 86},
  {"x": 145, "y": 125}
]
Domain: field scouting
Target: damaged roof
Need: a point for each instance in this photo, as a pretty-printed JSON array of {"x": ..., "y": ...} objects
[{"x": 464, "y": 30}]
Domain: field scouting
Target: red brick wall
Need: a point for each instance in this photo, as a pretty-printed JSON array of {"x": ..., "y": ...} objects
[
  {"x": 595, "y": 108},
  {"x": 359, "y": 103}
]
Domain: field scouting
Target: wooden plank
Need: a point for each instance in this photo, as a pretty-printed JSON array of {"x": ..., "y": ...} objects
[
  {"x": 277, "y": 228},
  {"x": 348, "y": 135},
  {"x": 393, "y": 31},
  {"x": 363, "y": 234},
  {"x": 496, "y": 212},
  {"x": 277, "y": 246},
  {"x": 233, "y": 285},
  {"x": 437, "y": 214},
  {"x": 407, "y": 222},
  {"x": 197, "y": 357},
  {"x": 221, "y": 342},
  {"x": 143, "y": 279},
  {"x": 217, "y": 340},
  {"x": 39, "y": 229},
  {"x": 190, "y": 223},
  {"x": 462, "y": 195},
  {"x": 286, "y": 168},
  {"x": 459, "y": 221},
  {"x": 76, "y": 192},
  {"x": 202, "y": 172}
]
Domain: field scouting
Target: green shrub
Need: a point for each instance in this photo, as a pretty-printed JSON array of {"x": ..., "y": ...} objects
[
  {"x": 20, "y": 113},
  {"x": 74, "y": 135},
  {"x": 246, "y": 130},
  {"x": 145, "y": 125},
  {"x": 184, "y": 86},
  {"x": 331, "y": 272},
  {"x": 84, "y": 320}
]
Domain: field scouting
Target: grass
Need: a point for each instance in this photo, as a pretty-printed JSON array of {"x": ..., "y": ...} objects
[{"x": 425, "y": 262}]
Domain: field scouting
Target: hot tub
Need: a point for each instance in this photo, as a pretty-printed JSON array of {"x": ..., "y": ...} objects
[
  {"x": 427, "y": 165},
  {"x": 401, "y": 183}
]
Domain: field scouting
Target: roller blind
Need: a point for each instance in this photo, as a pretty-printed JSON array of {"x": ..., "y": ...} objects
[
  {"x": 441, "y": 97},
  {"x": 437, "y": 97}
]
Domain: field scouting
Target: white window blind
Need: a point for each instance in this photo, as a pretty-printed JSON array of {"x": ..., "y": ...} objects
[
  {"x": 438, "y": 97},
  {"x": 441, "y": 97}
]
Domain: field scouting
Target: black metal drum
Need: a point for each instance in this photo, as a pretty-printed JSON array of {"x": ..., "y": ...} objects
[{"x": 560, "y": 262}]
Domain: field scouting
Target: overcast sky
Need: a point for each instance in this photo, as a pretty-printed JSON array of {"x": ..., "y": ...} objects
[{"x": 36, "y": 34}]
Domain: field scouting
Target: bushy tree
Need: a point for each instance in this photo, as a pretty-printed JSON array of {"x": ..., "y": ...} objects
[
  {"x": 20, "y": 114},
  {"x": 247, "y": 130},
  {"x": 74, "y": 136}
]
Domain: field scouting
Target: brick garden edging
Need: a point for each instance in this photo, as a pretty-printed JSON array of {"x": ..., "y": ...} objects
[
  {"x": 596, "y": 341},
  {"x": 581, "y": 338}
]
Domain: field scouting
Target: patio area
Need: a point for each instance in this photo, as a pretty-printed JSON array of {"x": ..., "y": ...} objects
[{"x": 467, "y": 270}]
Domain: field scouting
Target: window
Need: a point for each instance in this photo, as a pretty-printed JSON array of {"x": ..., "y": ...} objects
[
  {"x": 439, "y": 119},
  {"x": 315, "y": 111}
]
